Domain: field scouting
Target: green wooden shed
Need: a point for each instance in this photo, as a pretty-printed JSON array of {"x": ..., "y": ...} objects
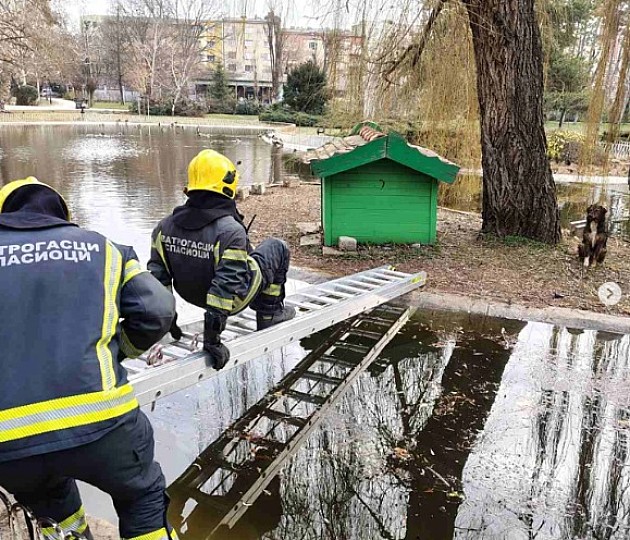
[{"x": 378, "y": 188}]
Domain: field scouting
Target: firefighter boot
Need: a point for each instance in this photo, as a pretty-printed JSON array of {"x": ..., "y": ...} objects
[{"x": 264, "y": 321}]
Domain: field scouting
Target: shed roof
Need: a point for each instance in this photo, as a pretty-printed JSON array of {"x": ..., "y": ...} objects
[{"x": 368, "y": 144}]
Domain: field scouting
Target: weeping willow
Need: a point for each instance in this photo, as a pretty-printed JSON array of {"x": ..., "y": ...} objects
[
  {"x": 611, "y": 20},
  {"x": 431, "y": 99}
]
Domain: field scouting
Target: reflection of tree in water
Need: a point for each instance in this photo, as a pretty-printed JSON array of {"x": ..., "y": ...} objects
[
  {"x": 388, "y": 466},
  {"x": 575, "y": 198},
  {"x": 560, "y": 428}
]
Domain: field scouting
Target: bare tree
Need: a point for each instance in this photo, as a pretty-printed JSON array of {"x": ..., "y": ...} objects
[
  {"x": 147, "y": 23},
  {"x": 188, "y": 25},
  {"x": 34, "y": 43},
  {"x": 276, "y": 40},
  {"x": 117, "y": 47}
]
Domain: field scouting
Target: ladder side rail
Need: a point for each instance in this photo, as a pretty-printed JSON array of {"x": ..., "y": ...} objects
[
  {"x": 170, "y": 378},
  {"x": 300, "y": 437}
]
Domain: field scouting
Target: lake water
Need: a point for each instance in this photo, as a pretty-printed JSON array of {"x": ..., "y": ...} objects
[
  {"x": 474, "y": 429},
  {"x": 122, "y": 180},
  {"x": 471, "y": 428}
]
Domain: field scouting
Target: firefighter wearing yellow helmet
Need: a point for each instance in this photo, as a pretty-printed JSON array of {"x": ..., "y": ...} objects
[
  {"x": 73, "y": 305},
  {"x": 204, "y": 252}
]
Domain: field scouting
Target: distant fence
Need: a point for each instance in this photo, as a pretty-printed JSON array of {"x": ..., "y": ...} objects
[
  {"x": 110, "y": 94},
  {"x": 619, "y": 150}
]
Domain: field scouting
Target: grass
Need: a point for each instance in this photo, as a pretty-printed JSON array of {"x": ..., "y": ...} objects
[
  {"x": 519, "y": 241},
  {"x": 238, "y": 118}
]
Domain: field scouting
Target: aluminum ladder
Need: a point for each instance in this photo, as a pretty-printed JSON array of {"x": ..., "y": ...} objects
[
  {"x": 228, "y": 476},
  {"x": 173, "y": 366}
]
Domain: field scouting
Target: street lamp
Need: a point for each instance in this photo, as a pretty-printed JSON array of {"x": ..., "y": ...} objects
[{"x": 88, "y": 76}]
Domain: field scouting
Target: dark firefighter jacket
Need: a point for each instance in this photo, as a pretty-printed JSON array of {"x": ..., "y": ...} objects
[
  {"x": 204, "y": 253},
  {"x": 63, "y": 292}
]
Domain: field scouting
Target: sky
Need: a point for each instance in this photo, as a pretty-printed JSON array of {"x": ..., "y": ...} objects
[
  {"x": 253, "y": 8},
  {"x": 302, "y": 13}
]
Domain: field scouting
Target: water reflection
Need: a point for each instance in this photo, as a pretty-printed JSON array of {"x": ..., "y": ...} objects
[
  {"x": 573, "y": 199},
  {"x": 120, "y": 180},
  {"x": 469, "y": 429},
  {"x": 553, "y": 461}
]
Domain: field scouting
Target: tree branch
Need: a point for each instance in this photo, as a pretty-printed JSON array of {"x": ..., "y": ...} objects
[{"x": 415, "y": 50}]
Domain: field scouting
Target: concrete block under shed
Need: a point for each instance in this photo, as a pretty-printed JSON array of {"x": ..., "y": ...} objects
[
  {"x": 347, "y": 243},
  {"x": 331, "y": 252},
  {"x": 311, "y": 240},
  {"x": 258, "y": 189},
  {"x": 312, "y": 227},
  {"x": 242, "y": 193}
]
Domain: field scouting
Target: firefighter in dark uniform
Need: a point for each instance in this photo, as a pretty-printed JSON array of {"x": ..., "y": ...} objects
[
  {"x": 203, "y": 250},
  {"x": 73, "y": 305}
]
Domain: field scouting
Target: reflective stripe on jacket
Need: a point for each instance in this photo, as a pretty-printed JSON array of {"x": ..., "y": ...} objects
[
  {"x": 209, "y": 267},
  {"x": 64, "y": 292}
]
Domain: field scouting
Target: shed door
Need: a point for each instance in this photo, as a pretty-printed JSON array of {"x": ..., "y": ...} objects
[{"x": 379, "y": 203}]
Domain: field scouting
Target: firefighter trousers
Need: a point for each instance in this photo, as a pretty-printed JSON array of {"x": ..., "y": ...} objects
[
  {"x": 120, "y": 464},
  {"x": 273, "y": 258}
]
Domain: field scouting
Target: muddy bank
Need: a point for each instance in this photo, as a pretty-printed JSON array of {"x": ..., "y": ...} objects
[{"x": 513, "y": 271}]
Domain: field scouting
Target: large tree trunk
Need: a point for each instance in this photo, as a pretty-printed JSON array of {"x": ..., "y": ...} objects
[{"x": 519, "y": 194}]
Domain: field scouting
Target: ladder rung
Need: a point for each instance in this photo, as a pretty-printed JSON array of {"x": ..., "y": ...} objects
[
  {"x": 395, "y": 273},
  {"x": 352, "y": 347},
  {"x": 302, "y": 396},
  {"x": 378, "y": 274},
  {"x": 222, "y": 463},
  {"x": 338, "y": 362},
  {"x": 261, "y": 441},
  {"x": 242, "y": 324},
  {"x": 376, "y": 281},
  {"x": 389, "y": 308},
  {"x": 350, "y": 288},
  {"x": 378, "y": 321},
  {"x": 337, "y": 293},
  {"x": 182, "y": 345},
  {"x": 324, "y": 299},
  {"x": 365, "y": 334},
  {"x": 362, "y": 284},
  {"x": 296, "y": 421},
  {"x": 321, "y": 377},
  {"x": 302, "y": 305},
  {"x": 237, "y": 329}
]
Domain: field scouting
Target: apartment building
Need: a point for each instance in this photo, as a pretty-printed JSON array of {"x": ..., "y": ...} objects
[{"x": 242, "y": 46}]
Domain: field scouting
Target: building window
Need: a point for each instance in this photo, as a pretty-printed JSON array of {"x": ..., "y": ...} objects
[
  {"x": 249, "y": 43},
  {"x": 211, "y": 58},
  {"x": 248, "y": 56},
  {"x": 231, "y": 67},
  {"x": 212, "y": 44},
  {"x": 249, "y": 68},
  {"x": 232, "y": 55},
  {"x": 312, "y": 45}
]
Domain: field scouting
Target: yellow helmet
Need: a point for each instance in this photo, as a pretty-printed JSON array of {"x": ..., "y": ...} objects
[
  {"x": 12, "y": 187},
  {"x": 211, "y": 171}
]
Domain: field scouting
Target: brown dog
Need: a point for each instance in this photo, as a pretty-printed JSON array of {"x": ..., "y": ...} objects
[{"x": 594, "y": 238}]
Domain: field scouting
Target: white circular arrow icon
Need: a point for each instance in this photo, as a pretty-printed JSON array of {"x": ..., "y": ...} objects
[{"x": 610, "y": 293}]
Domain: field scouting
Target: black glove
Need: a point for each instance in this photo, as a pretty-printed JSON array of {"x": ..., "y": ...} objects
[
  {"x": 214, "y": 324},
  {"x": 176, "y": 331},
  {"x": 219, "y": 354}
]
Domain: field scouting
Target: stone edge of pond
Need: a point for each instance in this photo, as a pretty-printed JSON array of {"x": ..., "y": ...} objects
[
  {"x": 208, "y": 129},
  {"x": 572, "y": 318}
]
